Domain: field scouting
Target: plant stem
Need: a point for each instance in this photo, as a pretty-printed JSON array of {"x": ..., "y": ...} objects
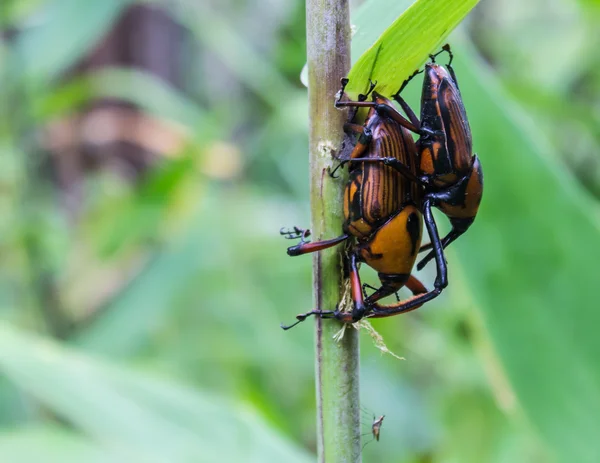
[{"x": 337, "y": 376}]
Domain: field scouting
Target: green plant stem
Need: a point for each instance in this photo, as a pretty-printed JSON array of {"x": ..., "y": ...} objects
[{"x": 337, "y": 375}]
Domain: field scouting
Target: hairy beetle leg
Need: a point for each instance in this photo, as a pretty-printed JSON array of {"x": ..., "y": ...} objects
[
  {"x": 364, "y": 289},
  {"x": 407, "y": 81},
  {"x": 365, "y": 295}
]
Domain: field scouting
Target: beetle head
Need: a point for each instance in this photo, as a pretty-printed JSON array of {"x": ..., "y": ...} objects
[{"x": 435, "y": 74}]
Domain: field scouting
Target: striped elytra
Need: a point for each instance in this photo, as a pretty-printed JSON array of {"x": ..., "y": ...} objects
[
  {"x": 375, "y": 191},
  {"x": 381, "y": 206}
]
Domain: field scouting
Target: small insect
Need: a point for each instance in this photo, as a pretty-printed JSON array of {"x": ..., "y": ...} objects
[
  {"x": 376, "y": 427},
  {"x": 375, "y": 430}
]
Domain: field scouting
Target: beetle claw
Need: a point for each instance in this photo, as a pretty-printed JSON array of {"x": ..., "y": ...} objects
[
  {"x": 340, "y": 165},
  {"x": 295, "y": 233},
  {"x": 338, "y": 96}
]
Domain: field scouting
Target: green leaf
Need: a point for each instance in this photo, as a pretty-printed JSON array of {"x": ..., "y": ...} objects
[
  {"x": 405, "y": 45},
  {"x": 140, "y": 416},
  {"x": 531, "y": 262}
]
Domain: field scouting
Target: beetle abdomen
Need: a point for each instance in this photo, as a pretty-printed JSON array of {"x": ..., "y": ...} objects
[
  {"x": 394, "y": 246},
  {"x": 468, "y": 195}
]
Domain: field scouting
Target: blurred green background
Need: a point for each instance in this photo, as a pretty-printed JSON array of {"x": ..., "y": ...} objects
[{"x": 150, "y": 152}]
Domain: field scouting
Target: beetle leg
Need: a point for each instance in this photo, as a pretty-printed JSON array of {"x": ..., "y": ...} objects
[
  {"x": 364, "y": 288},
  {"x": 420, "y": 296},
  {"x": 408, "y": 305},
  {"x": 339, "y": 166},
  {"x": 449, "y": 238},
  {"x": 390, "y": 284},
  {"x": 359, "y": 308},
  {"x": 372, "y": 85},
  {"x": 457, "y": 230},
  {"x": 407, "y": 110},
  {"x": 382, "y": 109},
  {"x": 363, "y": 142},
  {"x": 406, "y": 82},
  {"x": 404, "y": 105},
  {"x": 305, "y": 248},
  {"x": 366, "y": 285},
  {"x": 361, "y": 146},
  {"x": 303, "y": 316},
  {"x": 441, "y": 280}
]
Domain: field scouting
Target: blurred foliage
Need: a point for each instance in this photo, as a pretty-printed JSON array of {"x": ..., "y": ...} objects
[{"x": 139, "y": 241}]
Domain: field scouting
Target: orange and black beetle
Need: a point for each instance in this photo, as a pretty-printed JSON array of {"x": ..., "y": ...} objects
[
  {"x": 382, "y": 211},
  {"x": 451, "y": 175}
]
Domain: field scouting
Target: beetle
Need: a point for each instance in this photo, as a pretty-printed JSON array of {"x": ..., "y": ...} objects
[
  {"x": 382, "y": 211},
  {"x": 451, "y": 176}
]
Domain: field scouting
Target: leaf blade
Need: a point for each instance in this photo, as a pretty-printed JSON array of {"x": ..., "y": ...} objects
[{"x": 404, "y": 46}]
